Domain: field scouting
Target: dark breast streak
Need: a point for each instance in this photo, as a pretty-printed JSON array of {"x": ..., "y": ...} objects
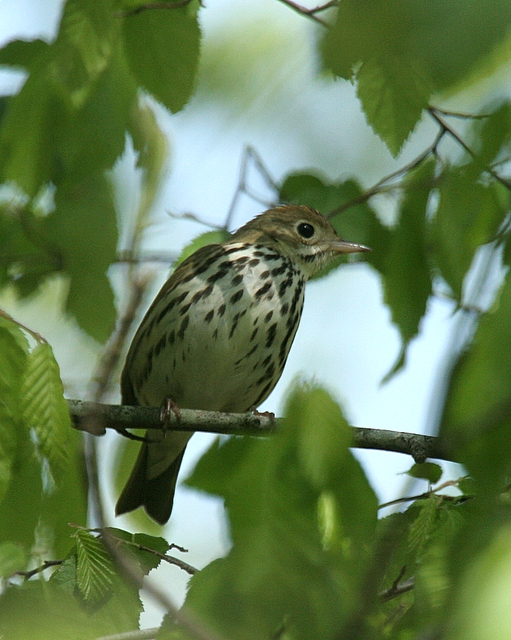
[{"x": 226, "y": 331}]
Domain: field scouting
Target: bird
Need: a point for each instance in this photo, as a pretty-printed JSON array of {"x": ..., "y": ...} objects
[{"x": 218, "y": 334}]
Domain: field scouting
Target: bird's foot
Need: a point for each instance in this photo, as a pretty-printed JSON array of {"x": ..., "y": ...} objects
[
  {"x": 264, "y": 414},
  {"x": 168, "y": 407}
]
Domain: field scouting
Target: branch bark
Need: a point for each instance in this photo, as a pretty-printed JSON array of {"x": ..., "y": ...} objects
[{"x": 96, "y": 418}]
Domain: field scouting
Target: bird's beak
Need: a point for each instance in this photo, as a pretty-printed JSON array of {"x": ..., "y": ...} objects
[{"x": 348, "y": 247}]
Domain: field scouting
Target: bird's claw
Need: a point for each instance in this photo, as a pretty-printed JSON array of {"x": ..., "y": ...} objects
[
  {"x": 168, "y": 407},
  {"x": 265, "y": 414}
]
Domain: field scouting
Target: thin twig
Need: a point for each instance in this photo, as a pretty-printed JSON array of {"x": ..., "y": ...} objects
[
  {"x": 195, "y": 218},
  {"x": 112, "y": 354},
  {"x": 37, "y": 336},
  {"x": 166, "y": 558},
  {"x": 426, "y": 495},
  {"x": 249, "y": 156},
  {"x": 311, "y": 13},
  {"x": 376, "y": 189},
  {"x": 462, "y": 116},
  {"x": 436, "y": 115},
  {"x": 396, "y": 590},
  {"x": 271, "y": 183},
  {"x": 131, "y": 258},
  {"x": 46, "y": 565}
]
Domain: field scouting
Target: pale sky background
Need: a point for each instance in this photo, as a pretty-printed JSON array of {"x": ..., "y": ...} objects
[{"x": 295, "y": 121}]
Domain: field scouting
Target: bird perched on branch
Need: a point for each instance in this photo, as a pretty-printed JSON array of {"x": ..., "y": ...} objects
[{"x": 218, "y": 334}]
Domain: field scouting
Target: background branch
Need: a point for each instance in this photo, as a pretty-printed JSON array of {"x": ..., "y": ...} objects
[{"x": 121, "y": 418}]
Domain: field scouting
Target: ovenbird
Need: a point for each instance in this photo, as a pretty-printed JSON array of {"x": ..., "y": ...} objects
[{"x": 218, "y": 334}]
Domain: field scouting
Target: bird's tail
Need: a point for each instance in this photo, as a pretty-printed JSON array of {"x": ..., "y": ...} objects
[{"x": 155, "y": 494}]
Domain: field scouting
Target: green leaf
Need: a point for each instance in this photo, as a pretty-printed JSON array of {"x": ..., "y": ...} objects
[
  {"x": 156, "y": 543},
  {"x": 323, "y": 440},
  {"x": 394, "y": 529},
  {"x": 316, "y": 191},
  {"x": 84, "y": 225},
  {"x": 152, "y": 148},
  {"x": 324, "y": 435},
  {"x": 162, "y": 49},
  {"x": 94, "y": 569},
  {"x": 209, "y": 237},
  {"x": 423, "y": 526},
  {"x": 67, "y": 501},
  {"x": 13, "y": 358},
  {"x": 433, "y": 574},
  {"x": 23, "y": 53},
  {"x": 145, "y": 560},
  {"x": 426, "y": 471},
  {"x": 51, "y": 611},
  {"x": 393, "y": 94},
  {"x": 34, "y": 122},
  {"x": 171, "y": 630},
  {"x": 492, "y": 136},
  {"x": 20, "y": 469},
  {"x": 44, "y": 407},
  {"x": 476, "y": 423},
  {"x": 24, "y": 258},
  {"x": 468, "y": 215},
  {"x": 275, "y": 569},
  {"x": 446, "y": 38},
  {"x": 281, "y": 495},
  {"x": 118, "y": 611},
  {"x": 36, "y": 609},
  {"x": 407, "y": 279},
  {"x": 84, "y": 45},
  {"x": 97, "y": 134},
  {"x": 65, "y": 575},
  {"x": 401, "y": 53},
  {"x": 12, "y": 559},
  {"x": 11, "y": 327},
  {"x": 20, "y": 508},
  {"x": 479, "y": 394},
  {"x": 480, "y": 610},
  {"x": 61, "y": 81},
  {"x": 467, "y": 486},
  {"x": 342, "y": 47}
]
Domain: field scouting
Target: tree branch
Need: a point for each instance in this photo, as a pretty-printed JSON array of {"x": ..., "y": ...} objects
[
  {"x": 311, "y": 13},
  {"x": 96, "y": 418},
  {"x": 139, "y": 634}
]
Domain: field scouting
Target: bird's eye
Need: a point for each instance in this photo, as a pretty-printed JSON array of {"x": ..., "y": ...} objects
[{"x": 305, "y": 229}]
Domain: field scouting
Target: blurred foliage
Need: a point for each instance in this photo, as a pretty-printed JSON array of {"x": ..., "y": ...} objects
[
  {"x": 68, "y": 125},
  {"x": 404, "y": 52},
  {"x": 309, "y": 556}
]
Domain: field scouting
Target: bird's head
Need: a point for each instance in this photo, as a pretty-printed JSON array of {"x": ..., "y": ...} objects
[{"x": 299, "y": 233}]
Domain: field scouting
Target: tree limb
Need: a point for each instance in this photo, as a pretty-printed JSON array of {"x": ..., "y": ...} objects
[
  {"x": 96, "y": 418},
  {"x": 138, "y": 634}
]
